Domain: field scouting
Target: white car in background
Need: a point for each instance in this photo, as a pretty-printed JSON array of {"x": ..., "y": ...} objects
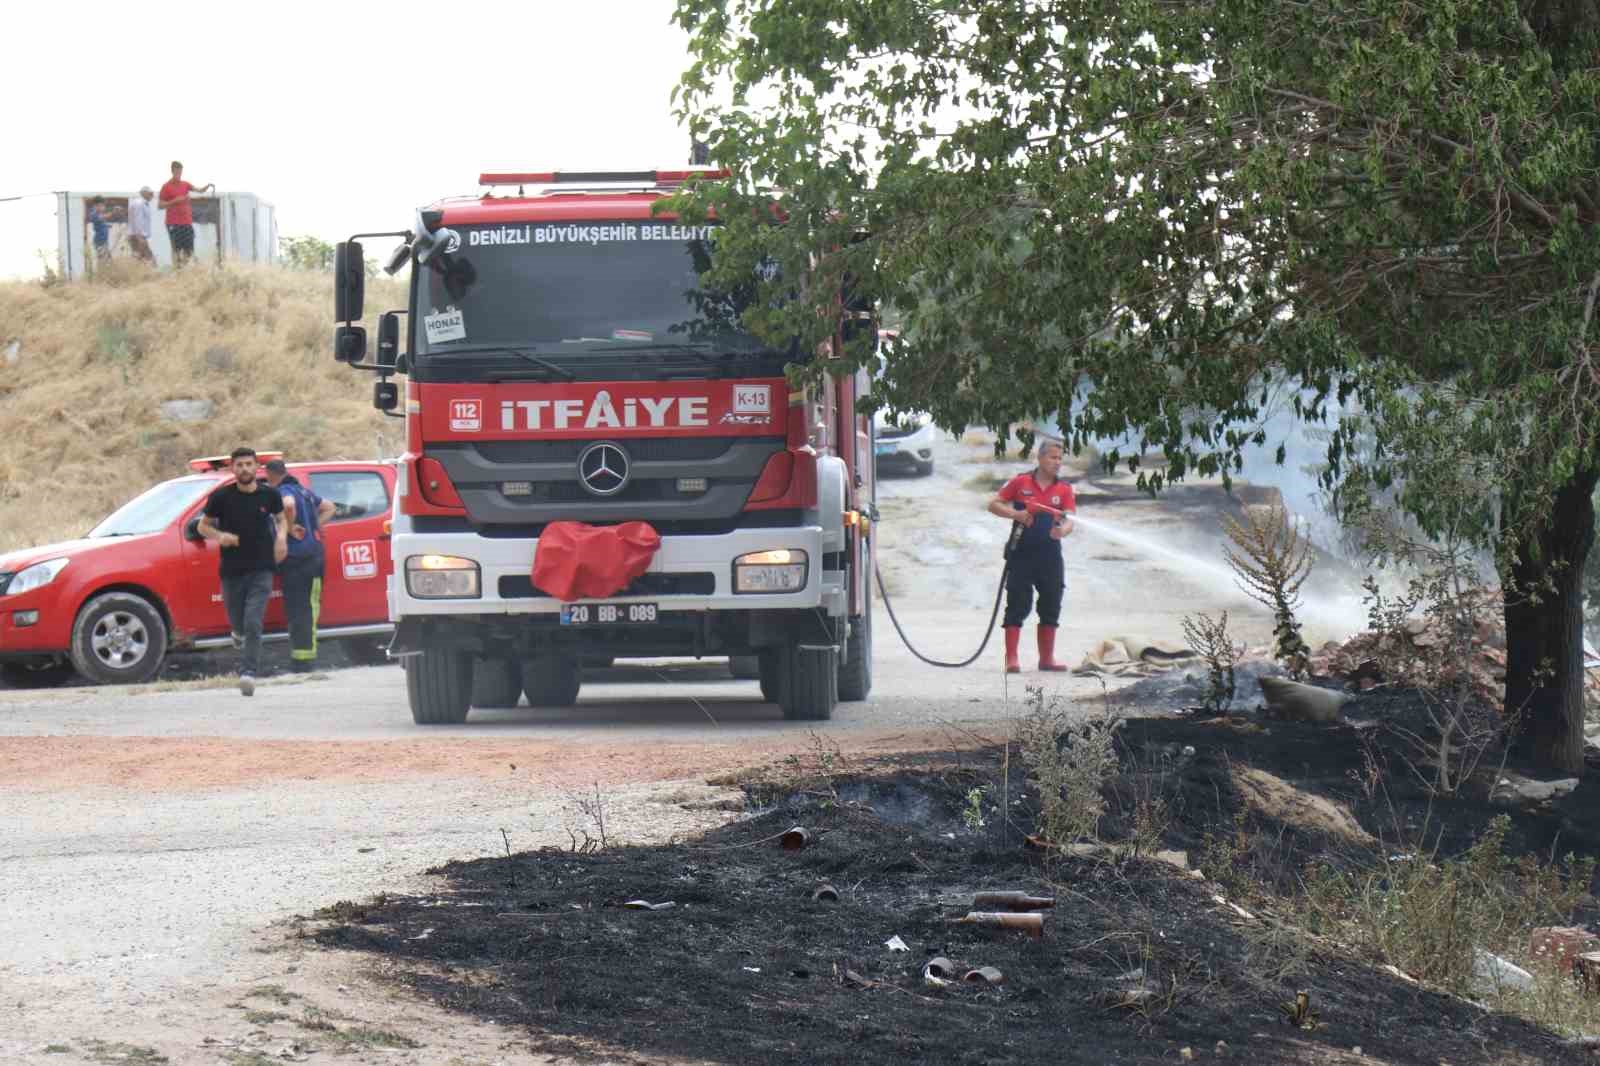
[{"x": 904, "y": 443}]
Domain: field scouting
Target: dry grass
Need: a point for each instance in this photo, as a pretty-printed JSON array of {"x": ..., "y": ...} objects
[{"x": 81, "y": 406}]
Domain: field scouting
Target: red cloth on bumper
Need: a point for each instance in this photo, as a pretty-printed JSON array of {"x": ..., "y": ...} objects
[{"x": 575, "y": 561}]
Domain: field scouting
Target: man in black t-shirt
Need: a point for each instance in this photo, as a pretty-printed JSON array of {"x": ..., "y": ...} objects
[{"x": 246, "y": 519}]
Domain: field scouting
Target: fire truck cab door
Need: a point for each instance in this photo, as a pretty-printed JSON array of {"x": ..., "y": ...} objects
[{"x": 355, "y": 547}]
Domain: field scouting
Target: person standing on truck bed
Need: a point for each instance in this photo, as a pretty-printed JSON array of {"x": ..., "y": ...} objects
[
  {"x": 1036, "y": 560},
  {"x": 304, "y": 512},
  {"x": 247, "y": 522},
  {"x": 180, "y": 215}
]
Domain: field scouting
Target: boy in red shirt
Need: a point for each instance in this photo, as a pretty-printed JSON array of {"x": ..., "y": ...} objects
[
  {"x": 1036, "y": 561},
  {"x": 180, "y": 216}
]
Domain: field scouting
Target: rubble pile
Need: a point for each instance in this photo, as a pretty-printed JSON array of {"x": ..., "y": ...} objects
[{"x": 1422, "y": 653}]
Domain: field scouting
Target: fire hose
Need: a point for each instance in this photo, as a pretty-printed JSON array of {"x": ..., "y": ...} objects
[{"x": 1011, "y": 546}]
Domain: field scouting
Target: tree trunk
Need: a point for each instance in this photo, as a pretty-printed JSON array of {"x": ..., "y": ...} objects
[{"x": 1544, "y": 632}]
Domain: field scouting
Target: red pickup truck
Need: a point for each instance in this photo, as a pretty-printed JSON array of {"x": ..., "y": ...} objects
[{"x": 143, "y": 582}]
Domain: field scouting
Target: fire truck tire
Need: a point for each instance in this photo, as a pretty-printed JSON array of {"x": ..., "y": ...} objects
[
  {"x": 745, "y": 667},
  {"x": 496, "y": 683},
  {"x": 552, "y": 681},
  {"x": 119, "y": 638},
  {"x": 855, "y": 673},
  {"x": 811, "y": 687},
  {"x": 439, "y": 686}
]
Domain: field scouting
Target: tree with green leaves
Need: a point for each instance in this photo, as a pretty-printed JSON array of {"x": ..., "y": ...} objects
[{"x": 1145, "y": 214}]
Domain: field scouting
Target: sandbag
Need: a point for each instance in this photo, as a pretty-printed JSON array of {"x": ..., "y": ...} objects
[
  {"x": 575, "y": 561},
  {"x": 1302, "y": 703}
]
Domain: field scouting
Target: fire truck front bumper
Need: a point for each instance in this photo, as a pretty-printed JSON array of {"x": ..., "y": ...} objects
[{"x": 462, "y": 574}]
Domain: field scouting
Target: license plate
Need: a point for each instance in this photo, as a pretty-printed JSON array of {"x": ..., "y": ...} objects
[
  {"x": 609, "y": 614},
  {"x": 886, "y": 449}
]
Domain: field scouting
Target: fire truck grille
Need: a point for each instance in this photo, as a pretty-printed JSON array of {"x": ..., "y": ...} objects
[{"x": 667, "y": 479}]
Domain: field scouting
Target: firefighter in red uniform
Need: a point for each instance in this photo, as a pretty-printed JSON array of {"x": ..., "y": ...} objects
[{"x": 1036, "y": 562}]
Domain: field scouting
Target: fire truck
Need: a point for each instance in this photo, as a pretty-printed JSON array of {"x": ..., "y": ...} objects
[{"x": 566, "y": 362}]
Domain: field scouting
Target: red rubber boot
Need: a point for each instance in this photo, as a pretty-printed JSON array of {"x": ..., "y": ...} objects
[
  {"x": 1013, "y": 641},
  {"x": 1047, "y": 651}
]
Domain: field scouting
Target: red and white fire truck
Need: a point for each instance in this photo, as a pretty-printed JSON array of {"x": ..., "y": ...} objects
[{"x": 567, "y": 368}]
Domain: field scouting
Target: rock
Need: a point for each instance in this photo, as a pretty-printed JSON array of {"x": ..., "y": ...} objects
[
  {"x": 1302, "y": 703},
  {"x": 1520, "y": 793},
  {"x": 187, "y": 410},
  {"x": 1492, "y": 974},
  {"x": 218, "y": 358},
  {"x": 13, "y": 351},
  {"x": 1560, "y": 945},
  {"x": 1179, "y": 859}
]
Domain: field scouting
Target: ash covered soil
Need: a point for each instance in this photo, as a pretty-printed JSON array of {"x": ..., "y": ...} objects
[{"x": 746, "y": 966}]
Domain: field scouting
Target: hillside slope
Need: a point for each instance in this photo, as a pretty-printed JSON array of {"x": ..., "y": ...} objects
[{"x": 85, "y": 368}]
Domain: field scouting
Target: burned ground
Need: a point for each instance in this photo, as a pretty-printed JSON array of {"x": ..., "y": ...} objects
[{"x": 747, "y": 967}]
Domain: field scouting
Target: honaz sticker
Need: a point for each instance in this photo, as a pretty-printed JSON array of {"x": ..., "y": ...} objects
[{"x": 446, "y": 325}]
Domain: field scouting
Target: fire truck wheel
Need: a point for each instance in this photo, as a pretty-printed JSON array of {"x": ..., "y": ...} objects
[
  {"x": 811, "y": 687},
  {"x": 855, "y": 674},
  {"x": 745, "y": 667},
  {"x": 439, "y": 686},
  {"x": 551, "y": 681},
  {"x": 119, "y": 638},
  {"x": 496, "y": 683}
]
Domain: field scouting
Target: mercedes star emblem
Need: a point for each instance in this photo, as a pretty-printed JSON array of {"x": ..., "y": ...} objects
[{"x": 603, "y": 468}]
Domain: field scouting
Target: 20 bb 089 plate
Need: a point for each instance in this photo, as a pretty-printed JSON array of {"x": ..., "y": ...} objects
[{"x": 609, "y": 614}]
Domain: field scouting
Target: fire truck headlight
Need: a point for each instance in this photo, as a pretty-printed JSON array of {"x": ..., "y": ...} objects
[
  {"x": 778, "y": 570},
  {"x": 36, "y": 576},
  {"x": 442, "y": 577}
]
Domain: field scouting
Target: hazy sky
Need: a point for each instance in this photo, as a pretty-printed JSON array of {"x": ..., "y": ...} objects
[{"x": 346, "y": 115}]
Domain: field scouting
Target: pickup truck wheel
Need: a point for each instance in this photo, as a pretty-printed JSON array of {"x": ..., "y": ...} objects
[
  {"x": 551, "y": 681},
  {"x": 745, "y": 667},
  {"x": 811, "y": 685},
  {"x": 496, "y": 683},
  {"x": 439, "y": 686},
  {"x": 855, "y": 673},
  {"x": 119, "y": 638}
]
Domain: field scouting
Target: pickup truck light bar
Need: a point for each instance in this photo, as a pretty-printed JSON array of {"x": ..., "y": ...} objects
[
  {"x": 567, "y": 177},
  {"x": 211, "y": 463}
]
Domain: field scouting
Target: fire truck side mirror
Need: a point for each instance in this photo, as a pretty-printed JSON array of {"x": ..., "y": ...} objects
[
  {"x": 349, "y": 281},
  {"x": 349, "y": 343},
  {"x": 388, "y": 339}
]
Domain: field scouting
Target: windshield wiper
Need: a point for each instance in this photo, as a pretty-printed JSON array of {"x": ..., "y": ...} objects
[{"x": 526, "y": 356}]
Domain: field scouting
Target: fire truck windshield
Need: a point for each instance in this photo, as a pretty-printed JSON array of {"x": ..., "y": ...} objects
[{"x": 577, "y": 289}]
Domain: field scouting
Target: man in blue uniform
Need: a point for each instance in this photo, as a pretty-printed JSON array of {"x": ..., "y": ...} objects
[{"x": 1036, "y": 563}]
